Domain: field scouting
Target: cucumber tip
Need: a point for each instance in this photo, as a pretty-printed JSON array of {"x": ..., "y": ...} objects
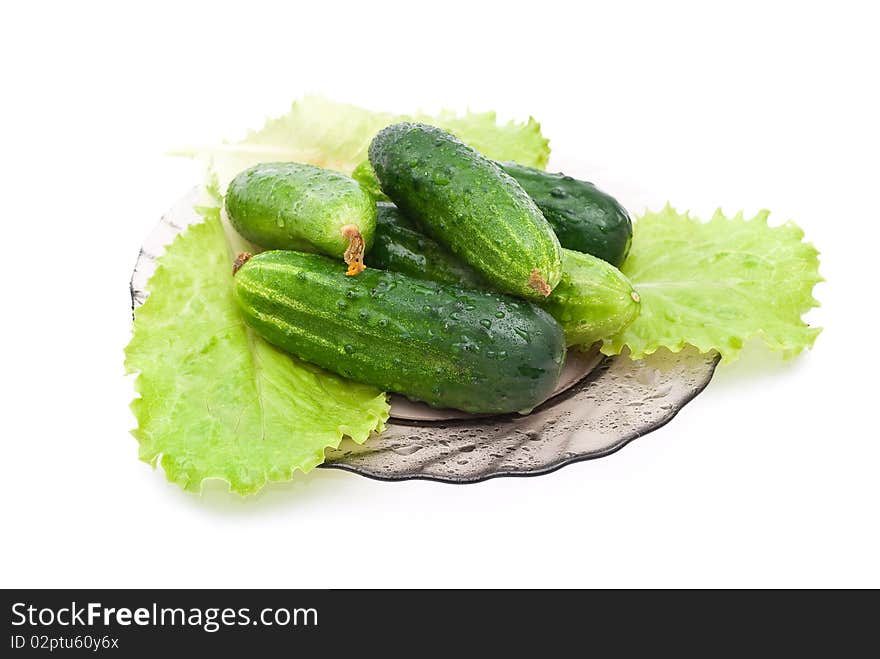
[
  {"x": 240, "y": 260},
  {"x": 354, "y": 253},
  {"x": 537, "y": 282}
]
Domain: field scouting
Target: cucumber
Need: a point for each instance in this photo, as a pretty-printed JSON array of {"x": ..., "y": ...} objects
[
  {"x": 583, "y": 217},
  {"x": 593, "y": 300},
  {"x": 288, "y": 205},
  {"x": 465, "y": 201},
  {"x": 446, "y": 345},
  {"x": 401, "y": 247}
]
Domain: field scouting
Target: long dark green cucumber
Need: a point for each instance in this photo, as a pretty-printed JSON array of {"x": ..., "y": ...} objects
[
  {"x": 447, "y": 345},
  {"x": 465, "y": 201},
  {"x": 288, "y": 205},
  {"x": 593, "y": 301},
  {"x": 401, "y": 247},
  {"x": 583, "y": 217}
]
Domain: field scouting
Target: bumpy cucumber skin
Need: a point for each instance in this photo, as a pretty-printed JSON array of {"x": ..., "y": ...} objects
[
  {"x": 401, "y": 247},
  {"x": 446, "y": 345},
  {"x": 288, "y": 205},
  {"x": 593, "y": 300},
  {"x": 583, "y": 217},
  {"x": 465, "y": 201}
]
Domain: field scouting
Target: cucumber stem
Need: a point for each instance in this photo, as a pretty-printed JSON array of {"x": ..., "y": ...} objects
[
  {"x": 354, "y": 254},
  {"x": 537, "y": 282},
  {"x": 240, "y": 260}
]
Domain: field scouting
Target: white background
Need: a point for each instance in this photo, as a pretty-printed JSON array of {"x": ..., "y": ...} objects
[{"x": 770, "y": 478}]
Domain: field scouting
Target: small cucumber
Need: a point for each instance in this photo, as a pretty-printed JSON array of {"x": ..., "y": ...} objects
[
  {"x": 287, "y": 205},
  {"x": 447, "y": 345},
  {"x": 593, "y": 301},
  {"x": 583, "y": 217},
  {"x": 465, "y": 201}
]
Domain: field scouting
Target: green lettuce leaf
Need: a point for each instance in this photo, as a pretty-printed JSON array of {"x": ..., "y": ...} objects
[
  {"x": 522, "y": 143},
  {"x": 336, "y": 136},
  {"x": 369, "y": 182},
  {"x": 216, "y": 401},
  {"x": 716, "y": 284}
]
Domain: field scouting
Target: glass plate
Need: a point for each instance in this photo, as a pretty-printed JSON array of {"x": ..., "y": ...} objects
[{"x": 601, "y": 405}]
